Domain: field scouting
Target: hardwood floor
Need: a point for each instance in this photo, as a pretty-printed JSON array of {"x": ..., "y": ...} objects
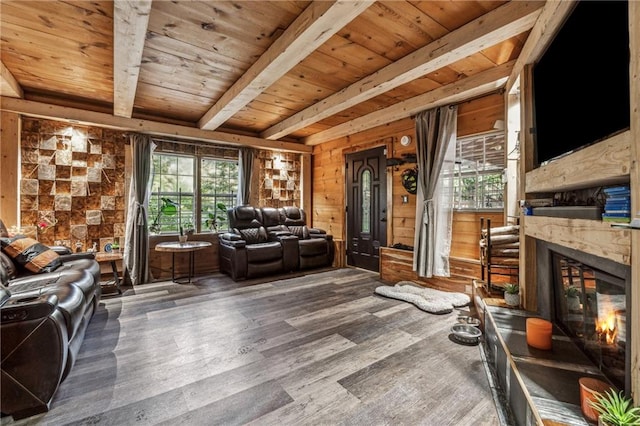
[{"x": 318, "y": 349}]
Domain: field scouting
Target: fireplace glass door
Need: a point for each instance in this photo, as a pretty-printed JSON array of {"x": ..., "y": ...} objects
[{"x": 591, "y": 307}]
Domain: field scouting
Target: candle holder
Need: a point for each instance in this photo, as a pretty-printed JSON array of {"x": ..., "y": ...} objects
[{"x": 539, "y": 333}]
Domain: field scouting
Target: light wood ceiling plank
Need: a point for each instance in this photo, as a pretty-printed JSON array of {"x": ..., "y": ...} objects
[
  {"x": 130, "y": 20},
  {"x": 36, "y": 109},
  {"x": 488, "y": 30},
  {"x": 70, "y": 20},
  {"x": 317, "y": 23},
  {"x": 8, "y": 84},
  {"x": 479, "y": 84}
]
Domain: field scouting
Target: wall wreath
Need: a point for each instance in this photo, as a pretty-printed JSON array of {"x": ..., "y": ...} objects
[{"x": 410, "y": 180}]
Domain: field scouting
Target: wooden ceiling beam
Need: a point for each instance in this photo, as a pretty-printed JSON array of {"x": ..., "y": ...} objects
[
  {"x": 459, "y": 91},
  {"x": 488, "y": 30},
  {"x": 91, "y": 118},
  {"x": 551, "y": 19},
  {"x": 130, "y": 21},
  {"x": 315, "y": 25},
  {"x": 8, "y": 83}
]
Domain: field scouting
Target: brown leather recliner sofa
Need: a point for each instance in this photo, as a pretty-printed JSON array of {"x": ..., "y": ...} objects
[
  {"x": 267, "y": 240},
  {"x": 44, "y": 317}
]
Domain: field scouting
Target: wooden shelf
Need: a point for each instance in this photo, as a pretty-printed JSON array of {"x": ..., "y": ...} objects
[
  {"x": 590, "y": 236},
  {"x": 605, "y": 163}
]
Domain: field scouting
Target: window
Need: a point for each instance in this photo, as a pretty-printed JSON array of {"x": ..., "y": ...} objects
[
  {"x": 478, "y": 172},
  {"x": 186, "y": 191}
]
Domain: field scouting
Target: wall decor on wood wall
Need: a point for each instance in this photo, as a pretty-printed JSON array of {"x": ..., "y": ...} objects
[{"x": 72, "y": 190}]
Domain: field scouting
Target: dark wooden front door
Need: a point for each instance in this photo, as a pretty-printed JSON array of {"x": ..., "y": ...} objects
[{"x": 366, "y": 208}]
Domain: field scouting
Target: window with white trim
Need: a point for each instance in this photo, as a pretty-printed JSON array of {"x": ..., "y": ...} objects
[
  {"x": 479, "y": 167},
  {"x": 190, "y": 191}
]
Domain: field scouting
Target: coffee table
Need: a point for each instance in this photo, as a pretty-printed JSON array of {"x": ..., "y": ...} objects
[{"x": 187, "y": 247}]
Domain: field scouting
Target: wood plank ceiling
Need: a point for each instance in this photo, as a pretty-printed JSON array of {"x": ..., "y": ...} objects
[{"x": 295, "y": 71}]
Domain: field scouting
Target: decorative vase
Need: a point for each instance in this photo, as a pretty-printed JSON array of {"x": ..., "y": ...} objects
[
  {"x": 588, "y": 387},
  {"x": 182, "y": 239},
  {"x": 512, "y": 299}
]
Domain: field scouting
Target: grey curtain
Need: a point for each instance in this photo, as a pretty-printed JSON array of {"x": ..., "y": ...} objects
[
  {"x": 435, "y": 131},
  {"x": 136, "y": 252},
  {"x": 245, "y": 167}
]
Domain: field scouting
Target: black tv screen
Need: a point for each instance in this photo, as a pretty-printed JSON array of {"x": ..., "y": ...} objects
[{"x": 581, "y": 82}]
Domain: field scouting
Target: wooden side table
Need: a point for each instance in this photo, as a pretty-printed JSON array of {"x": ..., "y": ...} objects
[
  {"x": 186, "y": 247},
  {"x": 112, "y": 258}
]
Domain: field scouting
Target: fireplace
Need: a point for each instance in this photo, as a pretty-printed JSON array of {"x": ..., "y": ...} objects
[{"x": 588, "y": 297}]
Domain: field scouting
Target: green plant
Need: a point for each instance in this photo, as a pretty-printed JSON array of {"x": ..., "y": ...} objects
[
  {"x": 511, "y": 288},
  {"x": 572, "y": 291},
  {"x": 214, "y": 218},
  {"x": 616, "y": 409},
  {"x": 168, "y": 208}
]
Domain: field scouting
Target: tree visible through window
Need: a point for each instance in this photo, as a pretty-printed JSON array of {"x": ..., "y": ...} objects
[
  {"x": 478, "y": 172},
  {"x": 186, "y": 188}
]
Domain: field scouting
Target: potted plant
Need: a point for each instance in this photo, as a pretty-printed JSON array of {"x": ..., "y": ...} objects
[
  {"x": 168, "y": 208},
  {"x": 189, "y": 229},
  {"x": 615, "y": 409},
  {"x": 572, "y": 294},
  {"x": 512, "y": 294},
  {"x": 214, "y": 218}
]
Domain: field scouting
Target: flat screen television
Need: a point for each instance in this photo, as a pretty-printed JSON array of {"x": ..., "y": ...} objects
[{"x": 581, "y": 82}]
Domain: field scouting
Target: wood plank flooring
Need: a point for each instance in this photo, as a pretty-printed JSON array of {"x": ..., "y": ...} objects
[{"x": 314, "y": 349}]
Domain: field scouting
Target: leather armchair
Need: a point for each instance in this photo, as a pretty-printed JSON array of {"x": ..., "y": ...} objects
[{"x": 315, "y": 246}]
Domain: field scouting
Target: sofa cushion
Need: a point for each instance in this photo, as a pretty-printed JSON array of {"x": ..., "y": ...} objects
[{"x": 30, "y": 254}]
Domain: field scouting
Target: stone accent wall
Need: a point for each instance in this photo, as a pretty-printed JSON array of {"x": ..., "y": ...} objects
[
  {"x": 279, "y": 179},
  {"x": 73, "y": 180}
]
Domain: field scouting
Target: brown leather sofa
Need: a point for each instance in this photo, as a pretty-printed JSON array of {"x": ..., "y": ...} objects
[
  {"x": 267, "y": 240},
  {"x": 44, "y": 317}
]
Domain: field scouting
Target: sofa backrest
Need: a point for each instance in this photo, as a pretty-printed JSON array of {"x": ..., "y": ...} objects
[
  {"x": 272, "y": 219},
  {"x": 295, "y": 219},
  {"x": 246, "y": 221}
]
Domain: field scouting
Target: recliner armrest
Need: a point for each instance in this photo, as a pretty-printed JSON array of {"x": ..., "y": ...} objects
[
  {"x": 28, "y": 306},
  {"x": 230, "y": 236},
  {"x": 230, "y": 239}
]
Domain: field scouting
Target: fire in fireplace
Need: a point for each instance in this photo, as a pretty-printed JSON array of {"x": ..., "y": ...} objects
[{"x": 591, "y": 307}]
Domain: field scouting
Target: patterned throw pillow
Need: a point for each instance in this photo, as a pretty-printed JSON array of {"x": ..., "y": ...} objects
[{"x": 30, "y": 254}]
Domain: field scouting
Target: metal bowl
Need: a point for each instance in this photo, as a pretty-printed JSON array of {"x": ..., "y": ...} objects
[
  {"x": 466, "y": 333},
  {"x": 469, "y": 320}
]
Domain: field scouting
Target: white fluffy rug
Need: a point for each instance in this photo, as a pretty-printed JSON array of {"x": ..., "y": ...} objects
[{"x": 428, "y": 299}]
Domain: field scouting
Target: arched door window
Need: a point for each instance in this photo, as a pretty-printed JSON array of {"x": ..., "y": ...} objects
[{"x": 365, "y": 216}]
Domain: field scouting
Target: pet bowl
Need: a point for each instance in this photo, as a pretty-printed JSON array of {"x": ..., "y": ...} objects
[
  {"x": 466, "y": 333},
  {"x": 469, "y": 320}
]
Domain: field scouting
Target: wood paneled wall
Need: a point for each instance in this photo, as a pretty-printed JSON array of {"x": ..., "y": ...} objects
[{"x": 475, "y": 116}]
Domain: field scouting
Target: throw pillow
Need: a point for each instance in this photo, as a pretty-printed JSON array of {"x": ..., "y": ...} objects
[{"x": 30, "y": 254}]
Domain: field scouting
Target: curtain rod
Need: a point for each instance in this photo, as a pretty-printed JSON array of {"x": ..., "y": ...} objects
[
  {"x": 195, "y": 142},
  {"x": 499, "y": 91}
]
